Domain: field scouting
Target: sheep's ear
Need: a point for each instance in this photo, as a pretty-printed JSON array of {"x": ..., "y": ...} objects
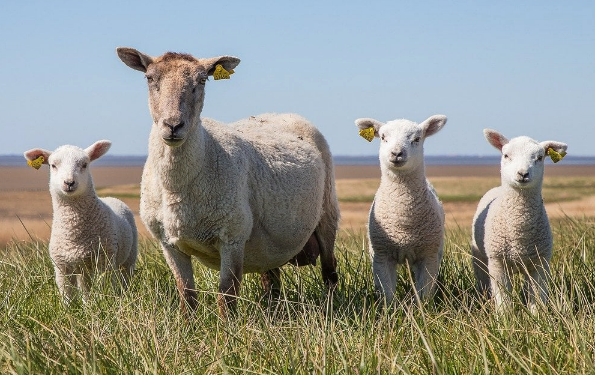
[
  {"x": 98, "y": 149},
  {"x": 555, "y": 150},
  {"x": 134, "y": 59},
  {"x": 35, "y": 153},
  {"x": 227, "y": 62},
  {"x": 368, "y": 128},
  {"x": 494, "y": 138},
  {"x": 433, "y": 125}
]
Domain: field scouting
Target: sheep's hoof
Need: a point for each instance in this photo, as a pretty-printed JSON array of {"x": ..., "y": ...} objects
[{"x": 271, "y": 283}]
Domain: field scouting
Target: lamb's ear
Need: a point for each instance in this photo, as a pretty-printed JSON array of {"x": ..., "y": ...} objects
[
  {"x": 35, "y": 153},
  {"x": 134, "y": 59},
  {"x": 433, "y": 125},
  {"x": 555, "y": 150},
  {"x": 368, "y": 128},
  {"x": 98, "y": 149},
  {"x": 494, "y": 138},
  {"x": 227, "y": 62}
]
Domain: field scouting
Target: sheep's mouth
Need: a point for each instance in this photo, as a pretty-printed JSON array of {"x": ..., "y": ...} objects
[
  {"x": 173, "y": 141},
  {"x": 397, "y": 163}
]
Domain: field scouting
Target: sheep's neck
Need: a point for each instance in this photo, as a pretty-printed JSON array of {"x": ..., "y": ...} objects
[
  {"x": 178, "y": 167},
  {"x": 405, "y": 184},
  {"x": 75, "y": 212},
  {"x": 522, "y": 203}
]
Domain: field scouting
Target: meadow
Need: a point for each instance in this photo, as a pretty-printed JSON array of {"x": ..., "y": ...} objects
[{"x": 309, "y": 330}]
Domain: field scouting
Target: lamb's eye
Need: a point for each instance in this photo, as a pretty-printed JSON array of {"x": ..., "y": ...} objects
[
  {"x": 84, "y": 165},
  {"x": 53, "y": 166},
  {"x": 382, "y": 137},
  {"x": 506, "y": 156},
  {"x": 540, "y": 158},
  {"x": 416, "y": 140}
]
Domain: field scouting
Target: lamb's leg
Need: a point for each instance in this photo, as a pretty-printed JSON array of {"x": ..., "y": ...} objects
[
  {"x": 230, "y": 277},
  {"x": 500, "y": 283},
  {"x": 426, "y": 276},
  {"x": 271, "y": 282},
  {"x": 536, "y": 285},
  {"x": 66, "y": 283},
  {"x": 181, "y": 266},
  {"x": 385, "y": 276},
  {"x": 480, "y": 268}
]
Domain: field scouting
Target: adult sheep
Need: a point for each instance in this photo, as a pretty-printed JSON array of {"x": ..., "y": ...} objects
[
  {"x": 248, "y": 197},
  {"x": 511, "y": 231}
]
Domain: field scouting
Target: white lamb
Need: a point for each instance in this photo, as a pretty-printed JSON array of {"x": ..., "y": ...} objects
[
  {"x": 89, "y": 234},
  {"x": 511, "y": 231},
  {"x": 246, "y": 197},
  {"x": 406, "y": 223}
]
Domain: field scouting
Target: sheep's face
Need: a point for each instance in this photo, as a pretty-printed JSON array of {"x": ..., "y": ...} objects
[
  {"x": 523, "y": 158},
  {"x": 401, "y": 141},
  {"x": 69, "y": 167},
  {"x": 522, "y": 163},
  {"x": 176, "y": 89},
  {"x": 69, "y": 172}
]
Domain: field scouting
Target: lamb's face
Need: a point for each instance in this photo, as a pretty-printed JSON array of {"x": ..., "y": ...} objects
[
  {"x": 69, "y": 173},
  {"x": 401, "y": 144},
  {"x": 176, "y": 96},
  {"x": 522, "y": 163}
]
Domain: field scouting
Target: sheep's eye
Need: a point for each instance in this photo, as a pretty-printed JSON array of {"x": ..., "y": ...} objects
[
  {"x": 149, "y": 78},
  {"x": 84, "y": 165},
  {"x": 506, "y": 156},
  {"x": 416, "y": 140},
  {"x": 53, "y": 166},
  {"x": 382, "y": 137},
  {"x": 202, "y": 81},
  {"x": 540, "y": 158}
]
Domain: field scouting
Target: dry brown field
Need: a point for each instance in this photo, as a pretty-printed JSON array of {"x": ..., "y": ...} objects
[{"x": 26, "y": 210}]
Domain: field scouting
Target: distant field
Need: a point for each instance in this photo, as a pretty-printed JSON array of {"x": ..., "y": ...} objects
[{"x": 25, "y": 205}]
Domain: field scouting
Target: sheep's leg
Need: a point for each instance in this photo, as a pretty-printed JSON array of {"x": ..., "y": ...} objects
[
  {"x": 181, "y": 266},
  {"x": 271, "y": 282},
  {"x": 426, "y": 276},
  {"x": 536, "y": 286},
  {"x": 385, "y": 276},
  {"x": 325, "y": 234},
  {"x": 84, "y": 281},
  {"x": 480, "y": 268},
  {"x": 500, "y": 283},
  {"x": 230, "y": 277},
  {"x": 66, "y": 283}
]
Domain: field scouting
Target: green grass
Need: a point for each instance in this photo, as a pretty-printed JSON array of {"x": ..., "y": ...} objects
[{"x": 308, "y": 331}]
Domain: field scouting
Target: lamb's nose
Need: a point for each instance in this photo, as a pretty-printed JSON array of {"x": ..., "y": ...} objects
[
  {"x": 69, "y": 183},
  {"x": 523, "y": 176},
  {"x": 397, "y": 154}
]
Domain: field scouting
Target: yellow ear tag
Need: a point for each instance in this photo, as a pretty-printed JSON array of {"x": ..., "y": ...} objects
[
  {"x": 555, "y": 156},
  {"x": 221, "y": 73},
  {"x": 36, "y": 163},
  {"x": 367, "y": 134}
]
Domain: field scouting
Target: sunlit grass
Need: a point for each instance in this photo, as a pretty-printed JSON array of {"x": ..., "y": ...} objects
[{"x": 308, "y": 330}]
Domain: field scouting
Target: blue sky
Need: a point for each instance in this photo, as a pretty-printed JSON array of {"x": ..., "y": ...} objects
[{"x": 523, "y": 68}]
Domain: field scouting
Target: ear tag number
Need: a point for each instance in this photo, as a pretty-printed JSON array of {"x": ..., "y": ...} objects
[
  {"x": 367, "y": 134},
  {"x": 221, "y": 73},
  {"x": 36, "y": 163},
  {"x": 555, "y": 156}
]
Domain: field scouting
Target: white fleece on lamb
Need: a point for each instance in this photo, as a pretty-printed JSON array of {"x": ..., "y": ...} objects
[
  {"x": 89, "y": 233},
  {"x": 511, "y": 232},
  {"x": 406, "y": 223}
]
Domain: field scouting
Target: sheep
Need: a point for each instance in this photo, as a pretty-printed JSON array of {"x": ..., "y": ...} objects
[
  {"x": 90, "y": 235},
  {"x": 406, "y": 221},
  {"x": 242, "y": 198},
  {"x": 511, "y": 232}
]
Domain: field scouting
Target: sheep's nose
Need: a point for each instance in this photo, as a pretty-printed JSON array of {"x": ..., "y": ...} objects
[
  {"x": 174, "y": 127},
  {"x": 69, "y": 183},
  {"x": 523, "y": 176},
  {"x": 397, "y": 154}
]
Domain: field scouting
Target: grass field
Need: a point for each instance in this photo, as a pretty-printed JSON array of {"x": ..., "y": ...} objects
[{"x": 309, "y": 330}]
